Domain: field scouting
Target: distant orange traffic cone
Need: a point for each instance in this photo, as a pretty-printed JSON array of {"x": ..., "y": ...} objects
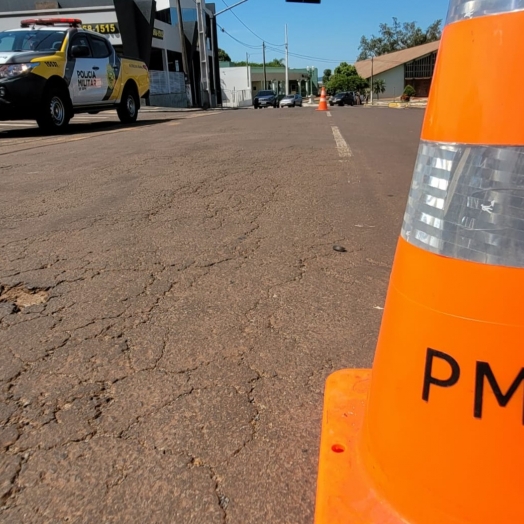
[
  {"x": 322, "y": 106},
  {"x": 435, "y": 434}
]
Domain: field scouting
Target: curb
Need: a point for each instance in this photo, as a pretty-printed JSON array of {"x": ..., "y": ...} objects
[{"x": 158, "y": 109}]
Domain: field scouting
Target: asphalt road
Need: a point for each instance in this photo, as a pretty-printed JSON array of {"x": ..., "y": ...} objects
[{"x": 171, "y": 305}]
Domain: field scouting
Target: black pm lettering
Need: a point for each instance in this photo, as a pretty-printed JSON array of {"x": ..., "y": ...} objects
[
  {"x": 484, "y": 371},
  {"x": 483, "y": 374},
  {"x": 430, "y": 380}
]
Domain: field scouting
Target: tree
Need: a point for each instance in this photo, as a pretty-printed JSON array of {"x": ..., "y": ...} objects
[
  {"x": 397, "y": 37},
  {"x": 223, "y": 56},
  {"x": 345, "y": 69},
  {"x": 244, "y": 63},
  {"x": 409, "y": 91},
  {"x": 346, "y": 78},
  {"x": 276, "y": 62},
  {"x": 379, "y": 86},
  {"x": 327, "y": 76}
]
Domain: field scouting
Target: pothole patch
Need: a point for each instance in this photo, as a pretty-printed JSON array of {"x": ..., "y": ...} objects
[{"x": 21, "y": 296}]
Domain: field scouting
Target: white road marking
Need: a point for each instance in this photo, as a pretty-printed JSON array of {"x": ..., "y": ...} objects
[
  {"x": 328, "y": 113},
  {"x": 90, "y": 118},
  {"x": 200, "y": 115},
  {"x": 10, "y": 124},
  {"x": 344, "y": 150}
]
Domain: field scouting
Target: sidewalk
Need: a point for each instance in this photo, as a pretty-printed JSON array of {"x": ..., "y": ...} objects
[
  {"x": 388, "y": 102},
  {"x": 399, "y": 104},
  {"x": 158, "y": 109}
]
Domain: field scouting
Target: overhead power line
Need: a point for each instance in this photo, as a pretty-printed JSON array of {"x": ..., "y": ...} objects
[
  {"x": 249, "y": 46},
  {"x": 281, "y": 52},
  {"x": 249, "y": 29},
  {"x": 307, "y": 57},
  {"x": 272, "y": 46}
]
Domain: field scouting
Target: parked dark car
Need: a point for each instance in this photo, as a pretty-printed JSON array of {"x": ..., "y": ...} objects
[
  {"x": 341, "y": 99},
  {"x": 265, "y": 99}
]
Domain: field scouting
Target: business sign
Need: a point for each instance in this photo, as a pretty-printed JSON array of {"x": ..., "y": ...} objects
[{"x": 103, "y": 28}]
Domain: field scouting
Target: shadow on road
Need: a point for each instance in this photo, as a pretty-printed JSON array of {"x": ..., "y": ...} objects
[{"x": 81, "y": 128}]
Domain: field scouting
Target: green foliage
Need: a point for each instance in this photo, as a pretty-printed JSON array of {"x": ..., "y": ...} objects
[
  {"x": 336, "y": 84},
  {"x": 409, "y": 91},
  {"x": 327, "y": 76},
  {"x": 346, "y": 83},
  {"x": 379, "y": 86},
  {"x": 345, "y": 69},
  {"x": 397, "y": 37},
  {"x": 276, "y": 62},
  {"x": 223, "y": 56},
  {"x": 345, "y": 78}
]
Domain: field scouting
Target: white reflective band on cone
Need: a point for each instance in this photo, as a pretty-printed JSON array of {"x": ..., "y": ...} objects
[
  {"x": 464, "y": 9},
  {"x": 467, "y": 202}
]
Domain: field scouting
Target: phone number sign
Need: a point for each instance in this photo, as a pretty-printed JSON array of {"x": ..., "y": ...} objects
[{"x": 105, "y": 29}]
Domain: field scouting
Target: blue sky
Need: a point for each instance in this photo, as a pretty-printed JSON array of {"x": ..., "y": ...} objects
[{"x": 330, "y": 31}]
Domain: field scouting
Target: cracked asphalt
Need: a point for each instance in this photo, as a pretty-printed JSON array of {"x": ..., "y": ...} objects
[{"x": 171, "y": 305}]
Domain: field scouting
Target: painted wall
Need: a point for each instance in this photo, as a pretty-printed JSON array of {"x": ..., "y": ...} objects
[
  {"x": 235, "y": 83},
  {"x": 278, "y": 74},
  {"x": 394, "y": 79}
]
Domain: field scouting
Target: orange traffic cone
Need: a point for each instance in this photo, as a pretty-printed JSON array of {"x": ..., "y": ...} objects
[
  {"x": 435, "y": 434},
  {"x": 322, "y": 106}
]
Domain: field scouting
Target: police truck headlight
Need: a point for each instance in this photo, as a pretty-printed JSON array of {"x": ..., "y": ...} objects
[{"x": 13, "y": 70}]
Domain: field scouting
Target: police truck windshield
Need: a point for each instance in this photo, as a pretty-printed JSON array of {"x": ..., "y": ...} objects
[{"x": 18, "y": 41}]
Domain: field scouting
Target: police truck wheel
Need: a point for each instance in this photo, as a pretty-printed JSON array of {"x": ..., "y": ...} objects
[
  {"x": 55, "y": 110},
  {"x": 128, "y": 108}
]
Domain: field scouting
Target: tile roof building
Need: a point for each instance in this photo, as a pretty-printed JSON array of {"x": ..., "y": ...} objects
[{"x": 413, "y": 66}]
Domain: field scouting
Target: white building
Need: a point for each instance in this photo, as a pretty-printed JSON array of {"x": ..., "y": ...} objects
[
  {"x": 413, "y": 66},
  {"x": 236, "y": 85},
  {"x": 240, "y": 84},
  {"x": 199, "y": 24}
]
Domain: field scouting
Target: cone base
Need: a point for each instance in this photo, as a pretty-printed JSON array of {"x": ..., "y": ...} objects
[
  {"x": 323, "y": 108},
  {"x": 344, "y": 493}
]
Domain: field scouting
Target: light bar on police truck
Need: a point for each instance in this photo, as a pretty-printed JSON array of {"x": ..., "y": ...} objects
[{"x": 71, "y": 22}]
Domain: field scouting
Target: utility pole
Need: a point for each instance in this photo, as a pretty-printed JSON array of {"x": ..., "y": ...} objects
[
  {"x": 310, "y": 71},
  {"x": 372, "y": 80},
  {"x": 264, "y": 62},
  {"x": 247, "y": 67},
  {"x": 204, "y": 64},
  {"x": 287, "y": 64},
  {"x": 183, "y": 43}
]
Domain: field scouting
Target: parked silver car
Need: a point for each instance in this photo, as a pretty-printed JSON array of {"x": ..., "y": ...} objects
[{"x": 291, "y": 101}]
